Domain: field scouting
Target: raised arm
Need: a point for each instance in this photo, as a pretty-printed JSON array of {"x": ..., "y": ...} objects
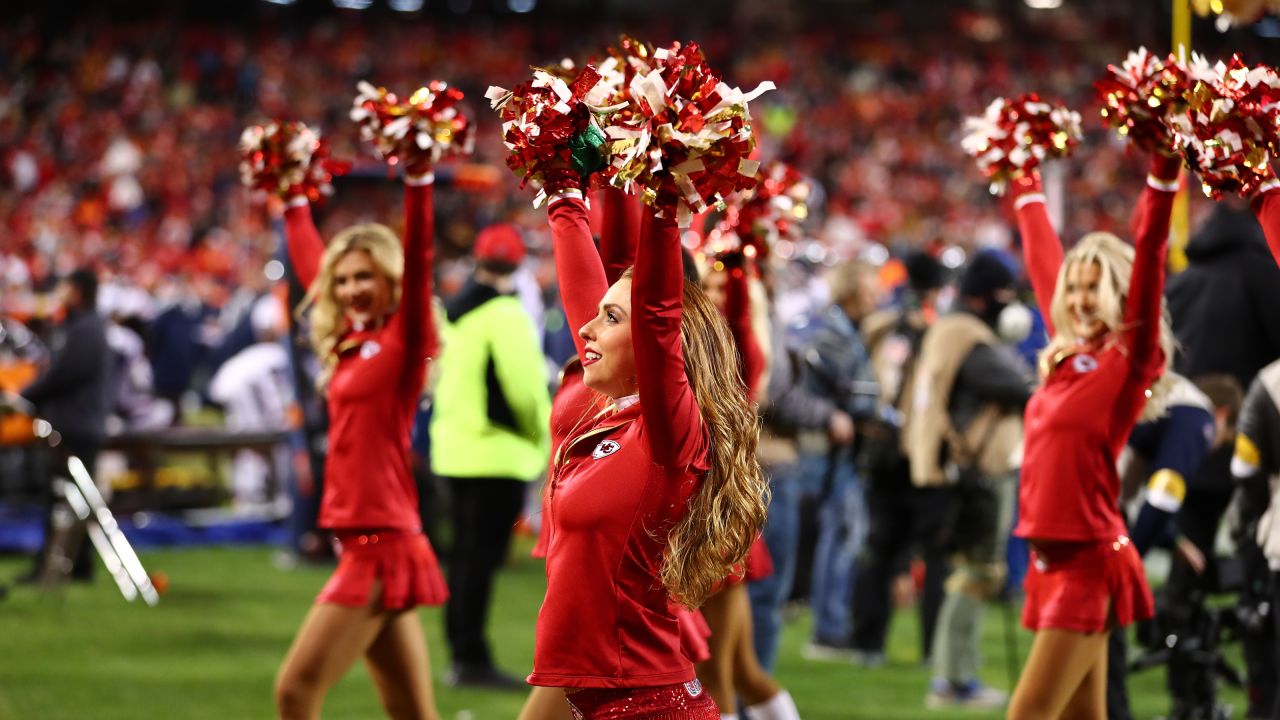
[
  {"x": 672, "y": 420},
  {"x": 738, "y": 312},
  {"x": 1266, "y": 207},
  {"x": 1041, "y": 248},
  {"x": 415, "y": 320},
  {"x": 1151, "y": 246},
  {"x": 578, "y": 269},
  {"x": 303, "y": 240},
  {"x": 621, "y": 229}
]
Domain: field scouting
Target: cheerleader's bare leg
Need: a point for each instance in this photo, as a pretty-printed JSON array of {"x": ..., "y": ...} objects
[
  {"x": 1064, "y": 671},
  {"x": 546, "y": 703},
  {"x": 332, "y": 638},
  {"x": 401, "y": 668}
]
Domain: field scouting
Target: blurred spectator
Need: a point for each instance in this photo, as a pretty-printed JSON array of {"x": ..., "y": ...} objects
[
  {"x": 72, "y": 395},
  {"x": 256, "y": 391},
  {"x": 491, "y": 413}
]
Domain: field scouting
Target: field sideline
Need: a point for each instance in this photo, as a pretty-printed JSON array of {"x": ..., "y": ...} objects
[{"x": 211, "y": 649}]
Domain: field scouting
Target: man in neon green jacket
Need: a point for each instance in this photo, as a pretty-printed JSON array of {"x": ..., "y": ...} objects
[{"x": 489, "y": 440}]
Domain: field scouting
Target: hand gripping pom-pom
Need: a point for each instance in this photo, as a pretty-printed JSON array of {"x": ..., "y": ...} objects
[
  {"x": 1140, "y": 96},
  {"x": 683, "y": 139},
  {"x": 1013, "y": 136},
  {"x": 1230, "y": 129},
  {"x": 418, "y": 132},
  {"x": 288, "y": 158}
]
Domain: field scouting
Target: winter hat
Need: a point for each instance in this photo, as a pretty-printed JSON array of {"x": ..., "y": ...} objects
[{"x": 499, "y": 243}]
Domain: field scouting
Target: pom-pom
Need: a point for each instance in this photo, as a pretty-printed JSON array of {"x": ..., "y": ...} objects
[
  {"x": 684, "y": 139},
  {"x": 1013, "y": 136},
  {"x": 755, "y": 220},
  {"x": 286, "y": 158},
  {"x": 1139, "y": 96},
  {"x": 550, "y": 128},
  {"x": 1230, "y": 129},
  {"x": 418, "y": 132}
]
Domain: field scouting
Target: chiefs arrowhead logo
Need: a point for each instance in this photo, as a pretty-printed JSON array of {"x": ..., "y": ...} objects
[
  {"x": 1084, "y": 363},
  {"x": 605, "y": 449}
]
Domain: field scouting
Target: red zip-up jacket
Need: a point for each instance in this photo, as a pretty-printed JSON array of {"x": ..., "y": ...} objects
[
  {"x": 1078, "y": 421},
  {"x": 376, "y": 385},
  {"x": 620, "y": 483},
  {"x": 574, "y": 402}
]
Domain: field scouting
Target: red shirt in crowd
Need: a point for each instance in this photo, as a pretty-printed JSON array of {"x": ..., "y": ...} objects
[
  {"x": 620, "y": 483},
  {"x": 375, "y": 388},
  {"x": 1078, "y": 421}
]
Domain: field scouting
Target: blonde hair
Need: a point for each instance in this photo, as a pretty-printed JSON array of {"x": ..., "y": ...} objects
[
  {"x": 726, "y": 513},
  {"x": 327, "y": 322},
  {"x": 1114, "y": 259}
]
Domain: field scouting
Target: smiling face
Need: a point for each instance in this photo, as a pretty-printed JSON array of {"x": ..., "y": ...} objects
[
  {"x": 362, "y": 292},
  {"x": 1081, "y": 294},
  {"x": 609, "y": 362}
]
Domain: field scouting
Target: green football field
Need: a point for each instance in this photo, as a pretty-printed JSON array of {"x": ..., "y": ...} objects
[{"x": 211, "y": 648}]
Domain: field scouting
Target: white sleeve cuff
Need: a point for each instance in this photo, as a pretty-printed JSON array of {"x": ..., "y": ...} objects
[
  {"x": 566, "y": 194},
  {"x": 1268, "y": 186},
  {"x": 298, "y": 201},
  {"x": 1024, "y": 200},
  {"x": 1168, "y": 186},
  {"x": 420, "y": 180}
]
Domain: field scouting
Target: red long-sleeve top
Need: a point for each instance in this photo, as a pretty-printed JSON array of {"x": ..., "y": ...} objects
[
  {"x": 1077, "y": 422},
  {"x": 1266, "y": 207},
  {"x": 574, "y": 402},
  {"x": 737, "y": 311},
  {"x": 620, "y": 483},
  {"x": 376, "y": 385}
]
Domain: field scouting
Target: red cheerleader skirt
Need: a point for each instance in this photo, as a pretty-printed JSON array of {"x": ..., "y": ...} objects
[
  {"x": 694, "y": 633},
  {"x": 1086, "y": 586},
  {"x": 682, "y": 701},
  {"x": 402, "y": 563}
]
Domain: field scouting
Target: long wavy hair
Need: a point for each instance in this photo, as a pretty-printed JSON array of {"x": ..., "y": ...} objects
[
  {"x": 1114, "y": 258},
  {"x": 726, "y": 513},
  {"x": 327, "y": 320}
]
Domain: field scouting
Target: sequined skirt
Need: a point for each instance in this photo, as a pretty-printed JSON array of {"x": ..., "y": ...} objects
[{"x": 682, "y": 701}]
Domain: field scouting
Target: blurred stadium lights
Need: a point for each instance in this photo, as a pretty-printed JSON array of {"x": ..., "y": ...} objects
[
  {"x": 352, "y": 4},
  {"x": 274, "y": 270},
  {"x": 405, "y": 6},
  {"x": 522, "y": 6},
  {"x": 1044, "y": 4},
  {"x": 281, "y": 2}
]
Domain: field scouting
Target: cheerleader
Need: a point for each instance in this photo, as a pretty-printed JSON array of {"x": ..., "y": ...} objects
[
  {"x": 654, "y": 497},
  {"x": 372, "y": 328},
  {"x": 733, "y": 670},
  {"x": 1101, "y": 372}
]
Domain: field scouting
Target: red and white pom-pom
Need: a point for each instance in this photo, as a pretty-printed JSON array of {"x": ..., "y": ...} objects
[
  {"x": 1231, "y": 127},
  {"x": 684, "y": 139},
  {"x": 287, "y": 157},
  {"x": 756, "y": 220},
  {"x": 1014, "y": 135},
  {"x": 419, "y": 131},
  {"x": 540, "y": 120},
  {"x": 1141, "y": 95}
]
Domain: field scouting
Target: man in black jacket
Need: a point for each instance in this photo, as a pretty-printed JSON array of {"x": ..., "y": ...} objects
[
  {"x": 71, "y": 394},
  {"x": 1223, "y": 305},
  {"x": 1224, "y": 317}
]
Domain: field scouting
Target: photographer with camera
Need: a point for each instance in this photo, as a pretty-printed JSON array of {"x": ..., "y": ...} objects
[
  {"x": 964, "y": 431},
  {"x": 1256, "y": 466}
]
